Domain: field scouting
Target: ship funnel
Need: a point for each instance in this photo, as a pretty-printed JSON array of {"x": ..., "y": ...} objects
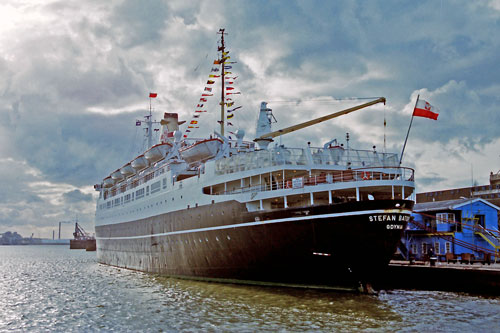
[
  {"x": 169, "y": 124},
  {"x": 264, "y": 126}
]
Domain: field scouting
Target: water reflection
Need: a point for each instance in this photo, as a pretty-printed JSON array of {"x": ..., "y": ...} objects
[{"x": 53, "y": 288}]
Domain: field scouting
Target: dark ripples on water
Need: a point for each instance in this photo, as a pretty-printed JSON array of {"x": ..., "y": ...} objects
[{"x": 50, "y": 288}]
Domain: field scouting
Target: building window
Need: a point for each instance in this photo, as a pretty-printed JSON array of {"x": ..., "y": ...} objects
[
  {"x": 414, "y": 248},
  {"x": 479, "y": 219},
  {"x": 447, "y": 247},
  {"x": 445, "y": 218},
  {"x": 437, "y": 248},
  {"x": 424, "y": 248}
]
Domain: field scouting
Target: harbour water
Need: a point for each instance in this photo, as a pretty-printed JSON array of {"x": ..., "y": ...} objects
[{"x": 52, "y": 288}]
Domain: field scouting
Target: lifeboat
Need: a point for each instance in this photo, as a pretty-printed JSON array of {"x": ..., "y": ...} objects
[
  {"x": 139, "y": 163},
  {"x": 157, "y": 152},
  {"x": 108, "y": 182},
  {"x": 127, "y": 170},
  {"x": 117, "y": 176},
  {"x": 201, "y": 150}
]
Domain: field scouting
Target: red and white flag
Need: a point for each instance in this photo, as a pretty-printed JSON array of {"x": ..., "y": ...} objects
[
  {"x": 152, "y": 95},
  {"x": 424, "y": 109}
]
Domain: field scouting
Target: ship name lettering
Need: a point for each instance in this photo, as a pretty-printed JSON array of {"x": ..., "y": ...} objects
[
  {"x": 382, "y": 218},
  {"x": 394, "y": 226},
  {"x": 404, "y": 218}
]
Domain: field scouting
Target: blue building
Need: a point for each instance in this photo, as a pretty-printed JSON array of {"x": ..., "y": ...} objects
[{"x": 459, "y": 226}]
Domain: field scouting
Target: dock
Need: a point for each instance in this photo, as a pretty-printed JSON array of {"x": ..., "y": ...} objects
[{"x": 474, "y": 278}]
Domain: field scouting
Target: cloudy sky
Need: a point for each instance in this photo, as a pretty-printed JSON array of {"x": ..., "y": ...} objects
[{"x": 75, "y": 75}]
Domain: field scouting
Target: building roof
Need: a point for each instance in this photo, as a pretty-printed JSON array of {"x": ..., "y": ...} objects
[{"x": 449, "y": 204}]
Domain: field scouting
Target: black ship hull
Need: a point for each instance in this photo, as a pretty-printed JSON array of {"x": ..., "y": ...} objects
[{"x": 339, "y": 245}]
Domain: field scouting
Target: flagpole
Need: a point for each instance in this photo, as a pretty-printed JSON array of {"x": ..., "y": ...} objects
[
  {"x": 408, "y": 133},
  {"x": 222, "y": 100}
]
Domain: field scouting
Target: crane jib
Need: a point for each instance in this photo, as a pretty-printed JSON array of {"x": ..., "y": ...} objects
[{"x": 320, "y": 119}]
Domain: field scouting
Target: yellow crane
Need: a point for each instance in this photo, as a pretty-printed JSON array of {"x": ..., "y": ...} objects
[{"x": 293, "y": 128}]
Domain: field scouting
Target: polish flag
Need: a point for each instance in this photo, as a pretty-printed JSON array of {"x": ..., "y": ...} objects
[{"x": 424, "y": 109}]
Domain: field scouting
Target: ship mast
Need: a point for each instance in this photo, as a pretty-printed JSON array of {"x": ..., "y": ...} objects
[
  {"x": 222, "y": 99},
  {"x": 149, "y": 123}
]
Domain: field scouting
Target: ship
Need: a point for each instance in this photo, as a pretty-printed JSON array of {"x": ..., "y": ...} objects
[{"x": 227, "y": 209}]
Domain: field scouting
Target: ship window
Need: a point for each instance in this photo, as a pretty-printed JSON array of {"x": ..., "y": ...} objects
[
  {"x": 155, "y": 187},
  {"x": 147, "y": 190},
  {"x": 139, "y": 193},
  {"x": 164, "y": 183}
]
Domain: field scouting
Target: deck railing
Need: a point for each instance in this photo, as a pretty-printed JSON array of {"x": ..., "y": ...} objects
[
  {"x": 363, "y": 174},
  {"x": 304, "y": 156},
  {"x": 136, "y": 180}
]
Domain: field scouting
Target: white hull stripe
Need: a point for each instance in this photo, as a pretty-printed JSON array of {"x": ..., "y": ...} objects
[{"x": 248, "y": 224}]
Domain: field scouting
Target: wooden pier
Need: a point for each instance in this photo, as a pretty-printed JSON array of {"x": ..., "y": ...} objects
[{"x": 472, "y": 278}]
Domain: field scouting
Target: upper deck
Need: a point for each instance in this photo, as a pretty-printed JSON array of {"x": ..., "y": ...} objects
[{"x": 336, "y": 158}]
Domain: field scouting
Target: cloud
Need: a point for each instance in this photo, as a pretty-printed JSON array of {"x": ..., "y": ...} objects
[
  {"x": 76, "y": 196},
  {"x": 76, "y": 76}
]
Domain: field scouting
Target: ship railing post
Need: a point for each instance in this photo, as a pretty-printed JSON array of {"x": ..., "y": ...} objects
[
  {"x": 312, "y": 198},
  {"x": 392, "y": 191},
  {"x": 261, "y": 205},
  {"x": 286, "y": 202},
  {"x": 330, "y": 197},
  {"x": 357, "y": 193},
  {"x": 403, "y": 192}
]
